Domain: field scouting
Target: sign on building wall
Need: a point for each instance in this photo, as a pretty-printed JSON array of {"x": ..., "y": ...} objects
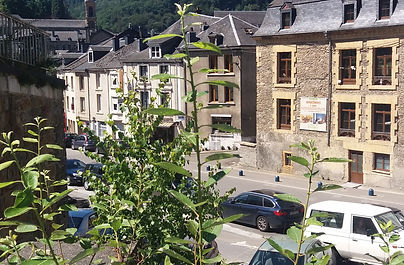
[{"x": 313, "y": 114}]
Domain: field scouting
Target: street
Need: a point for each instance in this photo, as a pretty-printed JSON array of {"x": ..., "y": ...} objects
[{"x": 238, "y": 243}]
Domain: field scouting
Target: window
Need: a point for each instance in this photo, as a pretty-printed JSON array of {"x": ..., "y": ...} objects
[
  {"x": 268, "y": 203},
  {"x": 114, "y": 80},
  {"x": 284, "y": 67},
  {"x": 71, "y": 83},
  {"x": 163, "y": 69},
  {"x": 90, "y": 11},
  {"x": 286, "y": 160},
  {"x": 382, "y": 162},
  {"x": 72, "y": 106},
  {"x": 98, "y": 102},
  {"x": 67, "y": 104},
  {"x": 254, "y": 200},
  {"x": 331, "y": 219},
  {"x": 384, "y": 9},
  {"x": 98, "y": 80},
  {"x": 81, "y": 82},
  {"x": 348, "y": 67},
  {"x": 284, "y": 113},
  {"x": 82, "y": 104},
  {"x": 90, "y": 57},
  {"x": 155, "y": 52},
  {"x": 144, "y": 97},
  {"x": 213, "y": 93},
  {"x": 286, "y": 20},
  {"x": 164, "y": 97},
  {"x": 347, "y": 119},
  {"x": 241, "y": 199},
  {"x": 349, "y": 13},
  {"x": 220, "y": 120},
  {"x": 228, "y": 62},
  {"x": 115, "y": 105},
  {"x": 228, "y": 94},
  {"x": 288, "y": 13},
  {"x": 363, "y": 226},
  {"x": 143, "y": 71},
  {"x": 213, "y": 61},
  {"x": 382, "y": 64},
  {"x": 381, "y": 122}
]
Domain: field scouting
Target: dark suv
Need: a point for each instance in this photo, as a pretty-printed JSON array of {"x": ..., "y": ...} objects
[
  {"x": 84, "y": 142},
  {"x": 69, "y": 139}
]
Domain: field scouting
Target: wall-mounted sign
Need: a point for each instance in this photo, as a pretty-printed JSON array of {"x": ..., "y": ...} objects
[{"x": 313, "y": 114}]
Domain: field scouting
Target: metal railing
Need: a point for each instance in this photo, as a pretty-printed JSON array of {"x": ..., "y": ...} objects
[{"x": 22, "y": 42}]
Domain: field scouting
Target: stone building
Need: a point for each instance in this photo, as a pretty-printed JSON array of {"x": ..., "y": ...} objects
[{"x": 330, "y": 70}]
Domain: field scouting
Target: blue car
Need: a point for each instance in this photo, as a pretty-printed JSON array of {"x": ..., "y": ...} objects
[
  {"x": 263, "y": 210},
  {"x": 82, "y": 219},
  {"x": 73, "y": 167}
]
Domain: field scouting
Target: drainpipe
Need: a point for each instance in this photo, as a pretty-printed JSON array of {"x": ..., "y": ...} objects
[
  {"x": 326, "y": 35},
  {"x": 88, "y": 95}
]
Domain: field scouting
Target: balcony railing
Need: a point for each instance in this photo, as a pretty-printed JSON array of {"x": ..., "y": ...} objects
[
  {"x": 22, "y": 42},
  {"x": 382, "y": 80},
  {"x": 383, "y": 136},
  {"x": 346, "y": 132}
]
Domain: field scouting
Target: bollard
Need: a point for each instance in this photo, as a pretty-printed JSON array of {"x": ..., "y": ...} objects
[
  {"x": 371, "y": 192},
  {"x": 240, "y": 172},
  {"x": 319, "y": 184},
  {"x": 277, "y": 179},
  {"x": 207, "y": 168}
]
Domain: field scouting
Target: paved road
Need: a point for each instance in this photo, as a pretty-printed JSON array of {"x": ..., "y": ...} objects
[{"x": 238, "y": 243}]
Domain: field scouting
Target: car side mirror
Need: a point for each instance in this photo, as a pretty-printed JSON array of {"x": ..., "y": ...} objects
[
  {"x": 232, "y": 201},
  {"x": 369, "y": 232}
]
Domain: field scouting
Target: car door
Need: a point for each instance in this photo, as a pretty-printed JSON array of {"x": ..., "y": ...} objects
[
  {"x": 361, "y": 239},
  {"x": 78, "y": 141},
  {"x": 236, "y": 207},
  {"x": 252, "y": 207}
]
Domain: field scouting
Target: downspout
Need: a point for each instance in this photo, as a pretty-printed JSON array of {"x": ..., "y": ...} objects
[
  {"x": 88, "y": 95},
  {"x": 326, "y": 35}
]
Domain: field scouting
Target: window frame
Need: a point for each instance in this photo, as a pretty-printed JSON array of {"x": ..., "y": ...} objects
[
  {"x": 82, "y": 104},
  {"x": 161, "y": 66},
  {"x": 220, "y": 120},
  {"x": 349, "y": 20},
  {"x": 155, "y": 52},
  {"x": 144, "y": 67},
  {"x": 382, "y": 16},
  {"x": 213, "y": 61},
  {"x": 287, "y": 79},
  {"x": 213, "y": 94},
  {"x": 228, "y": 94},
  {"x": 282, "y": 105},
  {"x": 99, "y": 103},
  {"x": 287, "y": 15},
  {"x": 97, "y": 80},
  {"x": 285, "y": 160},
  {"x": 383, "y": 134},
  {"x": 347, "y": 132},
  {"x": 144, "y": 99},
  {"x": 383, "y": 156},
  {"x": 228, "y": 62},
  {"x": 352, "y": 79},
  {"x": 385, "y": 57}
]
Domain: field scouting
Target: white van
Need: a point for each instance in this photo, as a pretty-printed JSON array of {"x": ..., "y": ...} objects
[{"x": 350, "y": 227}]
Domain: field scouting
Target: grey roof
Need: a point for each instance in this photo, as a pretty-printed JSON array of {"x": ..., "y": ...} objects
[
  {"x": 326, "y": 15},
  {"x": 100, "y": 48},
  {"x": 65, "y": 35},
  {"x": 113, "y": 59},
  {"x": 57, "y": 23},
  {"x": 253, "y": 17},
  {"x": 236, "y": 32}
]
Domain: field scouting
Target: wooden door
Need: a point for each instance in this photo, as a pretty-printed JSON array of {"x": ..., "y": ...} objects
[{"x": 356, "y": 167}]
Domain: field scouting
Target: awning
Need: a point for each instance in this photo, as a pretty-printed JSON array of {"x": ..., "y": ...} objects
[{"x": 166, "y": 124}]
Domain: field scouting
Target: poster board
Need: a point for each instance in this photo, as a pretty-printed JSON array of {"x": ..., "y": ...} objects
[{"x": 313, "y": 114}]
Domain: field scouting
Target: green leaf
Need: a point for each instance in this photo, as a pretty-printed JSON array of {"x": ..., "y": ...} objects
[
  {"x": 33, "y": 133},
  {"x": 40, "y": 159},
  {"x": 177, "y": 240},
  {"x": 24, "y": 198},
  {"x": 54, "y": 146},
  {"x": 6, "y": 165},
  {"x": 162, "y": 36},
  {"x": 215, "y": 178},
  {"x": 214, "y": 260},
  {"x": 207, "y": 46},
  {"x": 397, "y": 260},
  {"x": 294, "y": 233},
  {"x": 59, "y": 235},
  {"x": 211, "y": 232},
  {"x": 190, "y": 137},
  {"x": 225, "y": 128},
  {"x": 194, "y": 60},
  {"x": 84, "y": 254},
  {"x": 49, "y": 216},
  {"x": 26, "y": 228},
  {"x": 275, "y": 245},
  {"x": 335, "y": 160},
  {"x": 5, "y": 150},
  {"x": 30, "y": 179},
  {"x": 192, "y": 226},
  {"x": 167, "y": 261},
  {"x": 56, "y": 226},
  {"x": 313, "y": 221},
  {"x": 220, "y": 156},
  {"x": 5, "y": 184},
  {"x": 209, "y": 71},
  {"x": 38, "y": 262},
  {"x": 164, "y": 112},
  {"x": 116, "y": 224},
  {"x": 222, "y": 221},
  {"x": 165, "y": 77},
  {"x": 183, "y": 199},
  {"x": 289, "y": 254},
  {"x": 300, "y": 160},
  {"x": 15, "y": 142},
  {"x": 24, "y": 150},
  {"x": 385, "y": 249},
  {"x": 30, "y": 140},
  {"x": 175, "y": 56},
  {"x": 56, "y": 199},
  {"x": 221, "y": 83},
  {"x": 68, "y": 207},
  {"x": 314, "y": 250},
  {"x": 173, "y": 168},
  {"x": 12, "y": 212},
  {"x": 9, "y": 223},
  {"x": 175, "y": 255},
  {"x": 328, "y": 187},
  {"x": 288, "y": 198},
  {"x": 47, "y": 128}
]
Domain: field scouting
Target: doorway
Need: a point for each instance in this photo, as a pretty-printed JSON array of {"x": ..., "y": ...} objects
[{"x": 356, "y": 167}]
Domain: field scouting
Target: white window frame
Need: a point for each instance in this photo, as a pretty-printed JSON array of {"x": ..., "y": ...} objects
[{"x": 155, "y": 52}]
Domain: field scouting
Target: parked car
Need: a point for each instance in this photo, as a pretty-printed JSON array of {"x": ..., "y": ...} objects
[
  {"x": 73, "y": 169},
  {"x": 82, "y": 219},
  {"x": 96, "y": 170},
  {"x": 83, "y": 141},
  {"x": 267, "y": 255},
  {"x": 263, "y": 209},
  {"x": 69, "y": 139},
  {"x": 351, "y": 227},
  {"x": 397, "y": 213}
]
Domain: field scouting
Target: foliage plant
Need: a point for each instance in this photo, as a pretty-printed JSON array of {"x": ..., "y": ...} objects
[
  {"x": 388, "y": 236},
  {"x": 37, "y": 198},
  {"x": 296, "y": 232}
]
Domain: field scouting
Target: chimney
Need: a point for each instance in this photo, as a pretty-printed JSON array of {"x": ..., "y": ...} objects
[
  {"x": 191, "y": 36},
  {"x": 116, "y": 44}
]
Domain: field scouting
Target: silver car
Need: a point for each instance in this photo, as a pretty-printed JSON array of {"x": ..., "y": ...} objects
[{"x": 84, "y": 142}]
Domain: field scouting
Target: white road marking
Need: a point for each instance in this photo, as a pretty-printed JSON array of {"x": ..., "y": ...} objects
[
  {"x": 243, "y": 244},
  {"x": 231, "y": 229}
]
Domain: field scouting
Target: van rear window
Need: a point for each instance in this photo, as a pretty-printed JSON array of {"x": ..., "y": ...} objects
[{"x": 329, "y": 219}]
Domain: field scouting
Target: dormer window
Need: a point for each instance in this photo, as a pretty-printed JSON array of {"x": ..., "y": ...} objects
[
  {"x": 384, "y": 9},
  {"x": 349, "y": 13},
  {"x": 288, "y": 14},
  {"x": 90, "y": 57},
  {"x": 155, "y": 52},
  {"x": 216, "y": 39}
]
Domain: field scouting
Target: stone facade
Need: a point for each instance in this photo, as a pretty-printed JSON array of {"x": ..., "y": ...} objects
[{"x": 20, "y": 104}]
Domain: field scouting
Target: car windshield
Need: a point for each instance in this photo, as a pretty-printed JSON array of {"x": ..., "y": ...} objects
[
  {"x": 389, "y": 216},
  {"x": 271, "y": 257}
]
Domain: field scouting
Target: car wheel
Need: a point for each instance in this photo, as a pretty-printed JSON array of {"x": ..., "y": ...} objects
[
  {"x": 335, "y": 258},
  {"x": 262, "y": 223},
  {"x": 86, "y": 185}
]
